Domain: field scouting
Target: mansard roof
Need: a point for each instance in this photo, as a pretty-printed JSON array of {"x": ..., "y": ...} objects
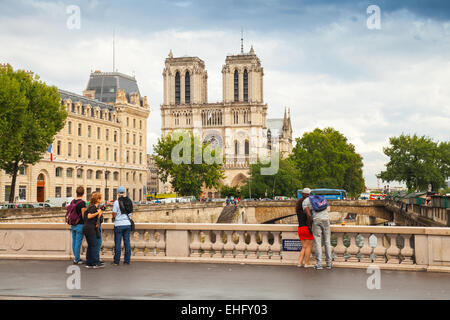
[
  {"x": 106, "y": 84},
  {"x": 84, "y": 100}
]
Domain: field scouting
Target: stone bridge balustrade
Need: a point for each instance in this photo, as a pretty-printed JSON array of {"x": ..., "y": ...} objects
[{"x": 394, "y": 248}]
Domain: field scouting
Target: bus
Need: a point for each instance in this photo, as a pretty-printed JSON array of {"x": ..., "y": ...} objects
[
  {"x": 377, "y": 196},
  {"x": 329, "y": 194}
]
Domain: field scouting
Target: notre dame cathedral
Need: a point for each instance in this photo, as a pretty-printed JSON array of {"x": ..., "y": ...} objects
[{"x": 238, "y": 124}]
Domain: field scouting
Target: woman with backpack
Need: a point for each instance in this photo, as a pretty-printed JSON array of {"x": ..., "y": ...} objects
[
  {"x": 93, "y": 217},
  {"x": 304, "y": 233}
]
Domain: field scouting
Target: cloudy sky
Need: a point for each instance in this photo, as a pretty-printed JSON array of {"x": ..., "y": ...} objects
[{"x": 320, "y": 58}]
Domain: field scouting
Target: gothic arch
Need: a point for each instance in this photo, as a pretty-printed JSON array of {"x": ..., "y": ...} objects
[{"x": 238, "y": 180}]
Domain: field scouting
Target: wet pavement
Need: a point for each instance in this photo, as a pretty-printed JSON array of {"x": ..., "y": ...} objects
[{"x": 193, "y": 281}]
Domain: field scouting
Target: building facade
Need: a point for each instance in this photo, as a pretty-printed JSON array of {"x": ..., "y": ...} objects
[
  {"x": 152, "y": 176},
  {"x": 102, "y": 146},
  {"x": 238, "y": 124}
]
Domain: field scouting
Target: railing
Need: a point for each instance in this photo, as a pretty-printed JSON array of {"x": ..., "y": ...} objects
[{"x": 396, "y": 248}]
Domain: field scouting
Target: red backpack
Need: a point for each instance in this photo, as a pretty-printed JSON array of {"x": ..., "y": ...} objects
[{"x": 72, "y": 216}]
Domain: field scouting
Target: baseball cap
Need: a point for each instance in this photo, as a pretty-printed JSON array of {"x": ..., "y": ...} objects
[
  {"x": 121, "y": 189},
  {"x": 306, "y": 191}
]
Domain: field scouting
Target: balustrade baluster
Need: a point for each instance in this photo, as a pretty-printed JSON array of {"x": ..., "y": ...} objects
[
  {"x": 195, "y": 243},
  {"x": 218, "y": 245},
  {"x": 380, "y": 249},
  {"x": 240, "y": 246},
  {"x": 393, "y": 251},
  {"x": 252, "y": 247},
  {"x": 366, "y": 250},
  {"x": 407, "y": 252},
  {"x": 276, "y": 246},
  {"x": 161, "y": 244},
  {"x": 229, "y": 246},
  {"x": 353, "y": 249},
  {"x": 264, "y": 246},
  {"x": 206, "y": 246},
  {"x": 340, "y": 248}
]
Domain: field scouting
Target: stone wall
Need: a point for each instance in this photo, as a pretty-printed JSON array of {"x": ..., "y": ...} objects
[{"x": 393, "y": 248}]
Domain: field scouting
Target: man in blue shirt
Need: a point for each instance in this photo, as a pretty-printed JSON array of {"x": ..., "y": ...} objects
[{"x": 122, "y": 229}]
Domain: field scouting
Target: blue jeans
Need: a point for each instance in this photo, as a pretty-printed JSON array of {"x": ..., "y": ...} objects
[
  {"x": 321, "y": 228},
  {"x": 77, "y": 238},
  {"x": 119, "y": 233},
  {"x": 92, "y": 257}
]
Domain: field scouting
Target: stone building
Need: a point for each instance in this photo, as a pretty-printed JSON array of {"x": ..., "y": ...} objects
[
  {"x": 238, "y": 124},
  {"x": 102, "y": 145},
  {"x": 152, "y": 176}
]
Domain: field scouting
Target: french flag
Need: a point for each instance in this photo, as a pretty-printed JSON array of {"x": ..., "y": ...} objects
[{"x": 50, "y": 149}]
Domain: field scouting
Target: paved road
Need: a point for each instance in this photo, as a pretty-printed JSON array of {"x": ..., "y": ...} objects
[{"x": 192, "y": 281}]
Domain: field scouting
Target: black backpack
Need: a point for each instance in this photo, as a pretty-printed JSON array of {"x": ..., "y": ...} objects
[
  {"x": 126, "y": 207},
  {"x": 127, "y": 204}
]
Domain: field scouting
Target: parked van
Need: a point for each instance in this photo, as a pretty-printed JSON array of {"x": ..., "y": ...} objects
[{"x": 59, "y": 202}]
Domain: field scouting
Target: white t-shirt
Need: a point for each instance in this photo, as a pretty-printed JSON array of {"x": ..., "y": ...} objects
[{"x": 316, "y": 215}]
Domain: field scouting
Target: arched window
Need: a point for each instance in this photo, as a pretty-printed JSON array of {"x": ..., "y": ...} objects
[
  {"x": 187, "y": 88},
  {"x": 247, "y": 148},
  {"x": 69, "y": 172},
  {"x": 177, "y": 88},
  {"x": 58, "y": 172},
  {"x": 236, "y": 86},
  {"x": 245, "y": 85},
  {"x": 236, "y": 148}
]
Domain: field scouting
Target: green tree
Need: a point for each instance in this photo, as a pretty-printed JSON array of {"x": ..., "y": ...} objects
[
  {"x": 326, "y": 160},
  {"x": 177, "y": 161},
  {"x": 285, "y": 182},
  {"x": 30, "y": 116},
  {"x": 417, "y": 161},
  {"x": 227, "y": 191}
]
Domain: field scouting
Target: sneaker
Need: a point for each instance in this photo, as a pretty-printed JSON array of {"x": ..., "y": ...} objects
[
  {"x": 115, "y": 264},
  {"x": 127, "y": 263},
  {"x": 77, "y": 262},
  {"x": 89, "y": 266},
  {"x": 97, "y": 266},
  {"x": 318, "y": 267},
  {"x": 300, "y": 265},
  {"x": 328, "y": 267},
  {"x": 309, "y": 265}
]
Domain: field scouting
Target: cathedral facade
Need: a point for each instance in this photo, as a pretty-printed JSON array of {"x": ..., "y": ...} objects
[{"x": 238, "y": 124}]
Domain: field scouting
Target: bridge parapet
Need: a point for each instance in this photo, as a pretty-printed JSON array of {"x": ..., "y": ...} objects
[{"x": 395, "y": 248}]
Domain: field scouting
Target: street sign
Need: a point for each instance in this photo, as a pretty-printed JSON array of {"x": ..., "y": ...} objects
[{"x": 292, "y": 245}]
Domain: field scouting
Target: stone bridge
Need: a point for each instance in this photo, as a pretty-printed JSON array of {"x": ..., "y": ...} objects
[{"x": 263, "y": 211}]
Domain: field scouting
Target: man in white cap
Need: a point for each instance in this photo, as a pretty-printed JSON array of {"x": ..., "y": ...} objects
[{"x": 320, "y": 228}]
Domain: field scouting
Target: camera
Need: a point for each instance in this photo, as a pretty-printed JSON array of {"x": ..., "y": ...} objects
[{"x": 103, "y": 207}]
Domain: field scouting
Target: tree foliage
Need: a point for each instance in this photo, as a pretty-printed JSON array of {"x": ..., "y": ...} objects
[
  {"x": 285, "y": 182},
  {"x": 326, "y": 160},
  {"x": 30, "y": 116},
  {"x": 417, "y": 161},
  {"x": 189, "y": 177},
  {"x": 227, "y": 191}
]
